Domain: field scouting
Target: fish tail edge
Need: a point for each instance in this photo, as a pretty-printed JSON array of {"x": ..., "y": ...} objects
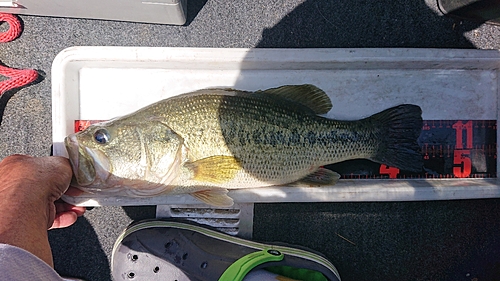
[{"x": 400, "y": 128}]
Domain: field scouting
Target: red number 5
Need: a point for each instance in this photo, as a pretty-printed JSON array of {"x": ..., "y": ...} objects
[{"x": 462, "y": 163}]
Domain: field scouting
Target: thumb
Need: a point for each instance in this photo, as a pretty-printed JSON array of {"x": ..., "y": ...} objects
[
  {"x": 64, "y": 219},
  {"x": 57, "y": 174}
]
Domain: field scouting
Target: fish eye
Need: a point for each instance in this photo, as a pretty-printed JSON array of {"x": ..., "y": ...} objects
[{"x": 101, "y": 136}]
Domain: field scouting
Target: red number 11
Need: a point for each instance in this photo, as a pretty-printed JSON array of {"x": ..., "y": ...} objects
[{"x": 459, "y": 127}]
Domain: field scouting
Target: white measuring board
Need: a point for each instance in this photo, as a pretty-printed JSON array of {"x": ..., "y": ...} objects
[{"x": 99, "y": 83}]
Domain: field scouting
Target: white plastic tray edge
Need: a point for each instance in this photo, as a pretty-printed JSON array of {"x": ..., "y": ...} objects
[
  {"x": 344, "y": 191},
  {"x": 69, "y": 60}
]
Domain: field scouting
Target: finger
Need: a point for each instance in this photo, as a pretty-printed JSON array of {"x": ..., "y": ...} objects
[
  {"x": 44, "y": 176},
  {"x": 16, "y": 158},
  {"x": 78, "y": 210},
  {"x": 62, "y": 207},
  {"x": 60, "y": 171},
  {"x": 64, "y": 219},
  {"x": 15, "y": 164}
]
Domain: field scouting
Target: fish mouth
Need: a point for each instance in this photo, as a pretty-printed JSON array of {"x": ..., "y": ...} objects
[{"x": 83, "y": 167}]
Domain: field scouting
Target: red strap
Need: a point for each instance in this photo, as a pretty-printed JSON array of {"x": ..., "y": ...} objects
[
  {"x": 18, "y": 77},
  {"x": 14, "y": 30}
]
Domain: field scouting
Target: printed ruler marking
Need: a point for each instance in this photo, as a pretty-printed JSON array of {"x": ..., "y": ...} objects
[{"x": 450, "y": 149}]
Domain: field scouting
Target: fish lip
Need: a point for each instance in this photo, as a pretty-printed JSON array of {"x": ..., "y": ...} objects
[
  {"x": 71, "y": 145},
  {"x": 76, "y": 158}
]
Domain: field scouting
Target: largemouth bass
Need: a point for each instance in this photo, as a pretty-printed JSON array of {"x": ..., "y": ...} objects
[{"x": 206, "y": 142}]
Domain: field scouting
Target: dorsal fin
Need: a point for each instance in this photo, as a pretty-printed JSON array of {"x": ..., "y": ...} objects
[{"x": 307, "y": 95}]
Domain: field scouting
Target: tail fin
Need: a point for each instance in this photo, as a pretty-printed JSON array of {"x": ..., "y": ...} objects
[{"x": 400, "y": 127}]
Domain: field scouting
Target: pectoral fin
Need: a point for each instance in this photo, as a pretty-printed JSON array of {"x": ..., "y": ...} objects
[
  {"x": 320, "y": 177},
  {"x": 215, "y": 197},
  {"x": 215, "y": 169}
]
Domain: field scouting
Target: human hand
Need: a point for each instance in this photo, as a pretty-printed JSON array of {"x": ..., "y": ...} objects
[
  {"x": 39, "y": 182},
  {"x": 30, "y": 189}
]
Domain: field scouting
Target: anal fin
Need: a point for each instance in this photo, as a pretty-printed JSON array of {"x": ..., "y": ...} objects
[
  {"x": 320, "y": 177},
  {"x": 214, "y": 197}
]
